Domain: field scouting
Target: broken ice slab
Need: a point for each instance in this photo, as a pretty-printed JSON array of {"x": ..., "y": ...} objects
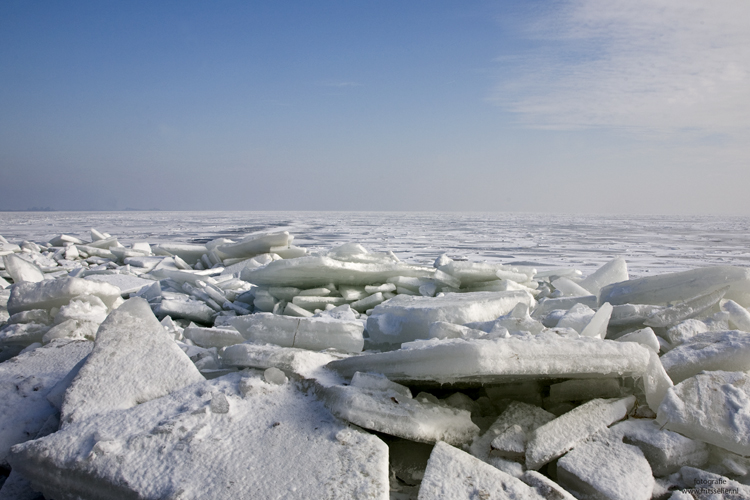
[
  {"x": 125, "y": 282},
  {"x": 557, "y": 437},
  {"x": 182, "y": 446},
  {"x": 134, "y": 360},
  {"x": 93, "y": 251},
  {"x": 606, "y": 470},
  {"x": 314, "y": 333},
  {"x": 686, "y": 330},
  {"x": 452, "y": 473},
  {"x": 713, "y": 407},
  {"x": 517, "y": 321},
  {"x": 312, "y": 271},
  {"x": 192, "y": 310},
  {"x": 21, "y": 270},
  {"x": 577, "y": 317},
  {"x": 684, "y": 310},
  {"x": 527, "y": 417},
  {"x": 392, "y": 412},
  {"x": 476, "y": 362},
  {"x": 666, "y": 451},
  {"x": 614, "y": 271},
  {"x": 729, "y": 351},
  {"x": 676, "y": 287},
  {"x": 305, "y": 363},
  {"x": 597, "y": 326},
  {"x": 187, "y": 252},
  {"x": 739, "y": 317},
  {"x": 25, "y": 382},
  {"x": 405, "y": 318},
  {"x": 56, "y": 293},
  {"x": 570, "y": 288},
  {"x": 369, "y": 302},
  {"x": 312, "y": 303},
  {"x": 585, "y": 389},
  {"x": 253, "y": 245},
  {"x": 547, "y": 305},
  {"x": 644, "y": 336},
  {"x": 472, "y": 272},
  {"x": 72, "y": 329},
  {"x": 378, "y": 382},
  {"x": 212, "y": 337},
  {"x": 23, "y": 334}
]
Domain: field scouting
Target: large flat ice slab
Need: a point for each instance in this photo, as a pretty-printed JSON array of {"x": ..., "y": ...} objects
[
  {"x": 405, "y": 317},
  {"x": 312, "y": 271},
  {"x": 728, "y": 351},
  {"x": 134, "y": 360},
  {"x": 302, "y": 362},
  {"x": 502, "y": 360},
  {"x": 713, "y": 407},
  {"x": 682, "y": 286},
  {"x": 56, "y": 293},
  {"x": 207, "y": 441},
  {"x": 25, "y": 383}
]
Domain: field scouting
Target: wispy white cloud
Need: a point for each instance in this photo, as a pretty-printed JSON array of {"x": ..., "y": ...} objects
[{"x": 659, "y": 66}]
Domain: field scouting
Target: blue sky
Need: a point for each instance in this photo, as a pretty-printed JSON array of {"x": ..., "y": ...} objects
[{"x": 581, "y": 106}]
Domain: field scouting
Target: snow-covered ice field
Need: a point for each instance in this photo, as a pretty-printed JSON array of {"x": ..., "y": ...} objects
[
  {"x": 373, "y": 355},
  {"x": 649, "y": 243}
]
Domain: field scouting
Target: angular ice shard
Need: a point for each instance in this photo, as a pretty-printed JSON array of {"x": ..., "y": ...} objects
[
  {"x": 570, "y": 288},
  {"x": 556, "y": 438},
  {"x": 547, "y": 305},
  {"x": 311, "y": 271},
  {"x": 213, "y": 337},
  {"x": 685, "y": 310},
  {"x": 302, "y": 362},
  {"x": 738, "y": 315},
  {"x": 25, "y": 382},
  {"x": 83, "y": 308},
  {"x": 56, "y": 293},
  {"x": 277, "y": 442},
  {"x": 501, "y": 360},
  {"x": 472, "y": 272},
  {"x": 729, "y": 351},
  {"x": 21, "y": 270},
  {"x": 23, "y": 334},
  {"x": 614, "y": 271},
  {"x": 606, "y": 470},
  {"x": 314, "y": 333},
  {"x": 125, "y": 282},
  {"x": 516, "y": 321},
  {"x": 682, "y": 286},
  {"x": 193, "y": 310},
  {"x": 713, "y": 407},
  {"x": 405, "y": 318},
  {"x": 452, "y": 473},
  {"x": 597, "y": 326},
  {"x": 253, "y": 245},
  {"x": 666, "y": 451},
  {"x": 644, "y": 336},
  {"x": 686, "y": 330},
  {"x": 547, "y": 488},
  {"x": 189, "y": 253},
  {"x": 134, "y": 360},
  {"x": 394, "y": 413},
  {"x": 378, "y": 382}
]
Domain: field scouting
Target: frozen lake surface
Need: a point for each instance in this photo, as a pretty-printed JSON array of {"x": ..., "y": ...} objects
[{"x": 650, "y": 244}]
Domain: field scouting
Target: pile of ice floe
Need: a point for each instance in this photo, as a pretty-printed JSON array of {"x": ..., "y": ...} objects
[{"x": 253, "y": 369}]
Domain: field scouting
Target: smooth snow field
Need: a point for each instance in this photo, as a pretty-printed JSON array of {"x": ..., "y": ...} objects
[
  {"x": 649, "y": 243},
  {"x": 373, "y": 355}
]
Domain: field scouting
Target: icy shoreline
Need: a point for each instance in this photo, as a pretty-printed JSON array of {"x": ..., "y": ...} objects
[{"x": 262, "y": 366}]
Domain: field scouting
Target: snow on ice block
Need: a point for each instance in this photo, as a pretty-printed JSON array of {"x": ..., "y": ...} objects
[
  {"x": 614, "y": 271},
  {"x": 502, "y": 360},
  {"x": 644, "y": 336},
  {"x": 312, "y": 271},
  {"x": 134, "y": 360},
  {"x": 212, "y": 337},
  {"x": 394, "y": 413},
  {"x": 276, "y": 443},
  {"x": 452, "y": 473},
  {"x": 125, "y": 282},
  {"x": 302, "y": 362},
  {"x": 193, "y": 310},
  {"x": 557, "y": 437},
  {"x": 187, "y": 252},
  {"x": 25, "y": 382},
  {"x": 738, "y": 315},
  {"x": 56, "y": 293},
  {"x": 21, "y": 270},
  {"x": 564, "y": 303},
  {"x": 728, "y": 351},
  {"x": 253, "y": 245},
  {"x": 713, "y": 407},
  {"x": 472, "y": 272},
  {"x": 606, "y": 470},
  {"x": 685, "y": 285},
  {"x": 685, "y": 310},
  {"x": 701, "y": 479},
  {"x": 666, "y": 451},
  {"x": 23, "y": 334},
  {"x": 314, "y": 333},
  {"x": 405, "y": 317}
]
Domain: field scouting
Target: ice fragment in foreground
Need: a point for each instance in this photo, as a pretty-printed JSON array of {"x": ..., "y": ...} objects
[
  {"x": 614, "y": 271},
  {"x": 606, "y": 470},
  {"x": 274, "y": 376},
  {"x": 300, "y": 361},
  {"x": 405, "y": 318},
  {"x": 597, "y": 327},
  {"x": 193, "y": 310},
  {"x": 644, "y": 336},
  {"x": 502, "y": 360},
  {"x": 713, "y": 407},
  {"x": 255, "y": 244},
  {"x": 213, "y": 337},
  {"x": 56, "y": 293},
  {"x": 134, "y": 360},
  {"x": 21, "y": 270},
  {"x": 452, "y": 473},
  {"x": 391, "y": 412},
  {"x": 738, "y": 315},
  {"x": 685, "y": 310},
  {"x": 729, "y": 351},
  {"x": 566, "y": 431},
  {"x": 313, "y": 333}
]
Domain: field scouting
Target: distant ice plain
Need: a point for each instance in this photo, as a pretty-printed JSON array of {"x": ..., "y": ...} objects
[{"x": 651, "y": 244}]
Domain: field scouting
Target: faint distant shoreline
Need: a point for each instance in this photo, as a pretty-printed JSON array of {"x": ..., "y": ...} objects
[{"x": 49, "y": 209}]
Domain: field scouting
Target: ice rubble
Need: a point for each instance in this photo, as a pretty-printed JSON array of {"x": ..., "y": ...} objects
[{"x": 320, "y": 363}]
